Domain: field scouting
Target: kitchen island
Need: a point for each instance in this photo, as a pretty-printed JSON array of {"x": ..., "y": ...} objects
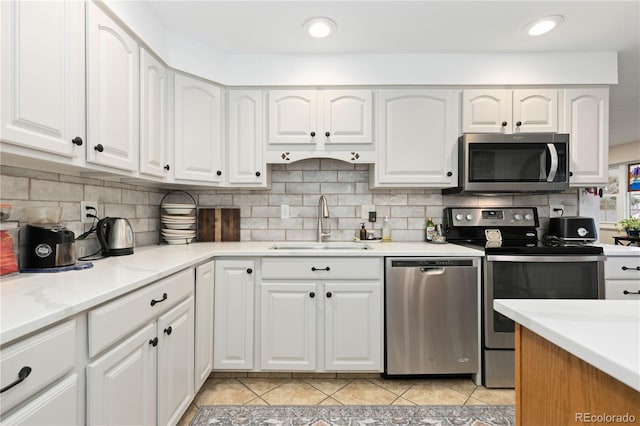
[{"x": 577, "y": 361}]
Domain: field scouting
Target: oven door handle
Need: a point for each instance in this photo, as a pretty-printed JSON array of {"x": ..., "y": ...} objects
[
  {"x": 540, "y": 259},
  {"x": 553, "y": 169}
]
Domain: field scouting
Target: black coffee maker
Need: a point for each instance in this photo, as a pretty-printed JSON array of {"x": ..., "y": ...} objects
[{"x": 49, "y": 246}]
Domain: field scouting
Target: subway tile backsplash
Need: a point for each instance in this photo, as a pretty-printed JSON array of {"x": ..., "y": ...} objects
[{"x": 298, "y": 184}]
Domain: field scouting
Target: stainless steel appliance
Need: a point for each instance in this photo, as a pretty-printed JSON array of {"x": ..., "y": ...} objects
[
  {"x": 431, "y": 316},
  {"x": 518, "y": 266},
  {"x": 47, "y": 246},
  {"x": 497, "y": 163},
  {"x": 115, "y": 236}
]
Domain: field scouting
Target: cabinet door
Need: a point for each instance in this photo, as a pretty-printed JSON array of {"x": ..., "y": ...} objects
[
  {"x": 204, "y": 323},
  {"x": 175, "y": 362},
  {"x": 288, "y": 326},
  {"x": 233, "y": 315},
  {"x": 586, "y": 119},
  {"x": 293, "y": 117},
  {"x": 535, "y": 110},
  {"x": 153, "y": 116},
  {"x": 43, "y": 75},
  {"x": 486, "y": 111},
  {"x": 113, "y": 93},
  {"x": 121, "y": 385},
  {"x": 353, "y": 326},
  {"x": 417, "y": 138},
  {"x": 347, "y": 117},
  {"x": 198, "y": 132},
  {"x": 622, "y": 289},
  {"x": 246, "y": 137}
]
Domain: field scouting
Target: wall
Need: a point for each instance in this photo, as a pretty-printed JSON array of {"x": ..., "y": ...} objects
[
  {"x": 23, "y": 188},
  {"x": 299, "y": 185}
]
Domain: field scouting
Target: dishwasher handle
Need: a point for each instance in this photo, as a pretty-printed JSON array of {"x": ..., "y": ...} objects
[{"x": 432, "y": 270}]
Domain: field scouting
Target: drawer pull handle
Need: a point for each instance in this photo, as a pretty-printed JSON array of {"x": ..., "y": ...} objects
[
  {"x": 168, "y": 330},
  {"x": 164, "y": 297},
  {"x": 637, "y": 268},
  {"x": 631, "y": 292},
  {"x": 313, "y": 268},
  {"x": 22, "y": 374},
  {"x": 154, "y": 342}
]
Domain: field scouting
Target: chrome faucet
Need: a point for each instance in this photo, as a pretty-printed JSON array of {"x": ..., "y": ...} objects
[{"x": 323, "y": 211}]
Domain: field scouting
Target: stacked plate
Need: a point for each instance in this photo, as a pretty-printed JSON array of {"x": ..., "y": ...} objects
[{"x": 178, "y": 223}]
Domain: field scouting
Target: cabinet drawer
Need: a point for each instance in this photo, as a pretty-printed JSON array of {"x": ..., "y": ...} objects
[
  {"x": 615, "y": 289},
  {"x": 322, "y": 268},
  {"x": 49, "y": 354},
  {"x": 116, "y": 319},
  {"x": 624, "y": 268}
]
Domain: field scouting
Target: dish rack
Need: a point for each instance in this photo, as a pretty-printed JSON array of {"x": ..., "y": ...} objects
[{"x": 178, "y": 221}]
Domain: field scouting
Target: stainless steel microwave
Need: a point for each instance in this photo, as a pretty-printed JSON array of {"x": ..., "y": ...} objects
[{"x": 496, "y": 163}]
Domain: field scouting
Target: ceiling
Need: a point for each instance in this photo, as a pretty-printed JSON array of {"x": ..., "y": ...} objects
[{"x": 387, "y": 27}]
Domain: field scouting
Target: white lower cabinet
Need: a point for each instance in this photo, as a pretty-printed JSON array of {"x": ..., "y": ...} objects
[
  {"x": 622, "y": 277},
  {"x": 233, "y": 314},
  {"x": 318, "y": 315},
  {"x": 204, "y": 323},
  {"x": 153, "y": 365},
  {"x": 38, "y": 379}
]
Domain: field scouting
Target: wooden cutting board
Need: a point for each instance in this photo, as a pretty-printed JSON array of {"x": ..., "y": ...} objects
[{"x": 216, "y": 224}]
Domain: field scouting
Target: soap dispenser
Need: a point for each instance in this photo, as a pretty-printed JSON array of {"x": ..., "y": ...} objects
[{"x": 363, "y": 233}]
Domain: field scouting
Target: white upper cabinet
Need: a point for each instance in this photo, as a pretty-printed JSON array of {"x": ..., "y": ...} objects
[
  {"x": 509, "y": 111},
  {"x": 245, "y": 141},
  {"x": 418, "y": 130},
  {"x": 153, "y": 116},
  {"x": 197, "y": 130},
  {"x": 320, "y": 123},
  {"x": 586, "y": 119},
  {"x": 43, "y": 77},
  {"x": 113, "y": 93}
]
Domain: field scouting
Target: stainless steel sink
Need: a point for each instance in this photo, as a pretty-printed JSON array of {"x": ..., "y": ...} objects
[{"x": 320, "y": 246}]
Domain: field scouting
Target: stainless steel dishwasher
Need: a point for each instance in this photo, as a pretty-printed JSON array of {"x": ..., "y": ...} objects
[{"x": 431, "y": 316}]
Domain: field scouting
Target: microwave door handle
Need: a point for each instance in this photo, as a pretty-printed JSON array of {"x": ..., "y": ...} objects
[{"x": 553, "y": 170}]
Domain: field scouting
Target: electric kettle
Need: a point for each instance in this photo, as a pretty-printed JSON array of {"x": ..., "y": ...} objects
[{"x": 115, "y": 236}]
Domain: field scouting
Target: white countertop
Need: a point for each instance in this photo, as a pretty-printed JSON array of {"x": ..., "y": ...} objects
[
  {"x": 618, "y": 250},
  {"x": 32, "y": 301},
  {"x": 603, "y": 333}
]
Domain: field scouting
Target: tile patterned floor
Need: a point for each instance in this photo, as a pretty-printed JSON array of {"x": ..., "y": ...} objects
[{"x": 358, "y": 390}]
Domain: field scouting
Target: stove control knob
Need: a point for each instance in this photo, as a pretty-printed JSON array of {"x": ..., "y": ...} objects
[
  {"x": 459, "y": 216},
  {"x": 517, "y": 216},
  {"x": 468, "y": 217},
  {"x": 528, "y": 217}
]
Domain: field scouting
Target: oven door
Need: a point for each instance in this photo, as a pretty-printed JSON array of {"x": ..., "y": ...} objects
[{"x": 535, "y": 277}]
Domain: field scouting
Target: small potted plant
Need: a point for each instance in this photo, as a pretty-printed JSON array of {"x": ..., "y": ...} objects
[{"x": 630, "y": 225}]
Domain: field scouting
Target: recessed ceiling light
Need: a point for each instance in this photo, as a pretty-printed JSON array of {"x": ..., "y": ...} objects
[
  {"x": 320, "y": 27},
  {"x": 544, "y": 25}
]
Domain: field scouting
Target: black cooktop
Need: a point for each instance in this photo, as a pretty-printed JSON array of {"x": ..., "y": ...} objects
[{"x": 515, "y": 247}]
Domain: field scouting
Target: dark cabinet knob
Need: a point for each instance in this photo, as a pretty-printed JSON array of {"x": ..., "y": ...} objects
[
  {"x": 99, "y": 147},
  {"x": 504, "y": 124},
  {"x": 449, "y": 174},
  {"x": 154, "y": 342},
  {"x": 218, "y": 172},
  {"x": 327, "y": 134},
  {"x": 313, "y": 134},
  {"x": 77, "y": 141},
  {"x": 249, "y": 271},
  {"x": 312, "y": 294},
  {"x": 167, "y": 167},
  {"x": 570, "y": 173},
  {"x": 329, "y": 294},
  {"x": 258, "y": 174},
  {"x": 168, "y": 330},
  {"x": 519, "y": 123}
]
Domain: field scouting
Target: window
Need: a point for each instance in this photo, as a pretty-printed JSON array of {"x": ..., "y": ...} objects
[{"x": 617, "y": 201}]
